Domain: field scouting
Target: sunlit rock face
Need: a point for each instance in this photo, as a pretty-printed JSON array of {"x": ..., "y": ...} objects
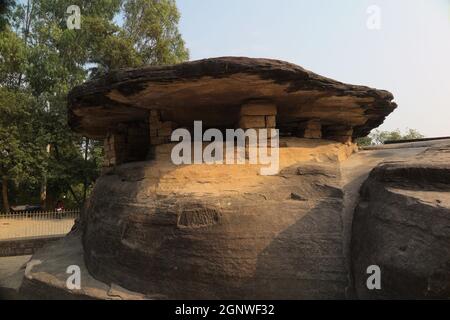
[{"x": 222, "y": 231}]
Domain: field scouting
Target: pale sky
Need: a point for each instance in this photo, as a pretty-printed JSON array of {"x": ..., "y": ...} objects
[{"x": 409, "y": 55}]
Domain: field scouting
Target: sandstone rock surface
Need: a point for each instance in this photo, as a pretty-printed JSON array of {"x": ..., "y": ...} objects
[
  {"x": 402, "y": 224},
  {"x": 213, "y": 90},
  {"x": 222, "y": 231}
]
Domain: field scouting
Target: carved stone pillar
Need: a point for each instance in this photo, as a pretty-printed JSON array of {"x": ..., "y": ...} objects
[
  {"x": 339, "y": 133},
  {"x": 258, "y": 114},
  {"x": 114, "y": 146},
  {"x": 160, "y": 131},
  {"x": 310, "y": 129}
]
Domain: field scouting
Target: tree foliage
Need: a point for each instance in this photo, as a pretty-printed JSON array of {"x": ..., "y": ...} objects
[
  {"x": 5, "y": 12},
  {"x": 41, "y": 59},
  {"x": 379, "y": 137},
  {"x": 152, "y": 27}
]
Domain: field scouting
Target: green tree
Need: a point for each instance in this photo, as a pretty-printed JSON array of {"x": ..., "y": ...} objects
[
  {"x": 364, "y": 141},
  {"x": 412, "y": 134},
  {"x": 151, "y": 25},
  {"x": 21, "y": 137},
  {"x": 42, "y": 60},
  {"x": 379, "y": 137},
  {"x": 22, "y": 156},
  {"x": 5, "y": 12}
]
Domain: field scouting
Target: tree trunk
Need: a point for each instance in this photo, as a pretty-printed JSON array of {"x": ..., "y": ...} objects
[
  {"x": 85, "y": 183},
  {"x": 43, "y": 195},
  {"x": 5, "y": 194}
]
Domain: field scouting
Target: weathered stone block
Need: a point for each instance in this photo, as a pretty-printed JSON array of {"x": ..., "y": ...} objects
[
  {"x": 270, "y": 121},
  {"x": 153, "y": 132},
  {"x": 312, "y": 134},
  {"x": 310, "y": 129},
  {"x": 156, "y": 125},
  {"x": 252, "y": 122},
  {"x": 154, "y": 113}
]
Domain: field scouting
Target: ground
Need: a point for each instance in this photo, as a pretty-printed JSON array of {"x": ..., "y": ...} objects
[
  {"x": 33, "y": 227},
  {"x": 11, "y": 276},
  {"x": 9, "y": 265}
]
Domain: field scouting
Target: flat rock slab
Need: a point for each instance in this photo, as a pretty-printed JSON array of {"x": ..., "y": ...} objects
[
  {"x": 213, "y": 90},
  {"x": 11, "y": 274},
  {"x": 45, "y": 275},
  {"x": 9, "y": 265}
]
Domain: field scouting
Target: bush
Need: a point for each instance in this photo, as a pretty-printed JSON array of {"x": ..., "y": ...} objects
[{"x": 379, "y": 137}]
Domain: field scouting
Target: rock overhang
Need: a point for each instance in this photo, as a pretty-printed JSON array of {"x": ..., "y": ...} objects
[{"x": 213, "y": 90}]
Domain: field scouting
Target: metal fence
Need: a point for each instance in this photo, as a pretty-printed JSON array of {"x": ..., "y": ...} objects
[{"x": 16, "y": 225}]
